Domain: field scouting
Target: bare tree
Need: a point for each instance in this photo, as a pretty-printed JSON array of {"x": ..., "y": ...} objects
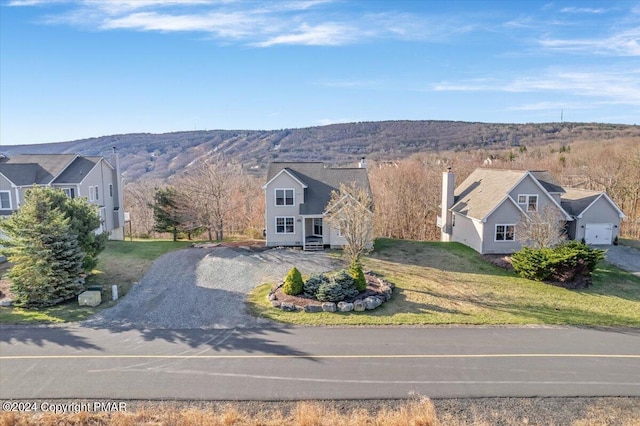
[
  {"x": 350, "y": 210},
  {"x": 541, "y": 229},
  {"x": 221, "y": 197}
]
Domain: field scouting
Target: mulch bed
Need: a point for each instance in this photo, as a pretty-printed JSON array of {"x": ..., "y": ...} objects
[
  {"x": 504, "y": 262},
  {"x": 373, "y": 289}
]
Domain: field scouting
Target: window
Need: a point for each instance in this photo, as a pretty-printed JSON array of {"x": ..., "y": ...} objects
[
  {"x": 505, "y": 232},
  {"x": 284, "y": 225},
  {"x": 96, "y": 189},
  {"x": 111, "y": 190},
  {"x": 91, "y": 193},
  {"x": 5, "y": 200},
  {"x": 284, "y": 197},
  {"x": 317, "y": 226},
  {"x": 529, "y": 203},
  {"x": 70, "y": 192}
]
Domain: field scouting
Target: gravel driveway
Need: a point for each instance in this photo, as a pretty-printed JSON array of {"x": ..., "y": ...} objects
[
  {"x": 627, "y": 258},
  {"x": 205, "y": 288}
]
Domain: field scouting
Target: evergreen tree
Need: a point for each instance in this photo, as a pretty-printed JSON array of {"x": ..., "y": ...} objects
[
  {"x": 45, "y": 251},
  {"x": 166, "y": 212},
  {"x": 83, "y": 221}
]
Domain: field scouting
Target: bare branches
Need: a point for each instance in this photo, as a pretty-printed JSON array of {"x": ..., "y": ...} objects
[
  {"x": 350, "y": 212},
  {"x": 542, "y": 229}
]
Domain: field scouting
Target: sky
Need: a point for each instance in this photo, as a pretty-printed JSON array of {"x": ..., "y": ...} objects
[{"x": 87, "y": 68}]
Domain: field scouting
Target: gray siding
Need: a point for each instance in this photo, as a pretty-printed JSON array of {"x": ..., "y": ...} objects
[
  {"x": 600, "y": 212},
  {"x": 506, "y": 214},
  {"x": 283, "y": 181},
  {"x": 529, "y": 187},
  {"x": 467, "y": 231}
]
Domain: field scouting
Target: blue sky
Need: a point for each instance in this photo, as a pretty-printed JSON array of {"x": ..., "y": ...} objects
[{"x": 78, "y": 69}]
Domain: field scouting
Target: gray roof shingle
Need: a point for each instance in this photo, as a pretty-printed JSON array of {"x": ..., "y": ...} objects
[
  {"x": 321, "y": 180},
  {"x": 29, "y": 169},
  {"x": 77, "y": 170},
  {"x": 575, "y": 201},
  {"x": 483, "y": 190}
]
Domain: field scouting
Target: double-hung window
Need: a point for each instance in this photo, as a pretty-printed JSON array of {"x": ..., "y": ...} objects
[
  {"x": 284, "y": 197},
  {"x": 70, "y": 192},
  {"x": 285, "y": 225},
  {"x": 5, "y": 200},
  {"x": 529, "y": 203},
  {"x": 505, "y": 232}
]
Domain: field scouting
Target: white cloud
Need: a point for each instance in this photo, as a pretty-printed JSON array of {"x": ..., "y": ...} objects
[
  {"x": 256, "y": 23},
  {"x": 610, "y": 87},
  {"x": 588, "y": 10},
  {"x": 624, "y": 43}
]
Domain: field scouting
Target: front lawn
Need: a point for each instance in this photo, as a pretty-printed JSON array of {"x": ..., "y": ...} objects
[
  {"x": 121, "y": 263},
  {"x": 448, "y": 283}
]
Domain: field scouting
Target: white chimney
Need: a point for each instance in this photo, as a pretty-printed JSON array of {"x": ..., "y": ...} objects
[
  {"x": 448, "y": 186},
  {"x": 362, "y": 164}
]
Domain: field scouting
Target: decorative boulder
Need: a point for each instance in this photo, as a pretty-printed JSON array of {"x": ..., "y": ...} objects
[
  {"x": 386, "y": 291},
  {"x": 313, "y": 308},
  {"x": 372, "y": 302},
  {"x": 288, "y": 307},
  {"x": 329, "y": 307},
  {"x": 345, "y": 307},
  {"x": 359, "y": 306}
]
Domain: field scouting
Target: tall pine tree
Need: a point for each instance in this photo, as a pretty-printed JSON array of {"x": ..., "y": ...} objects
[{"x": 47, "y": 257}]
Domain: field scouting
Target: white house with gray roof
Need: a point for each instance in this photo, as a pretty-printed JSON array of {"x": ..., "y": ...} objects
[
  {"x": 483, "y": 211},
  {"x": 296, "y": 195},
  {"x": 92, "y": 177}
]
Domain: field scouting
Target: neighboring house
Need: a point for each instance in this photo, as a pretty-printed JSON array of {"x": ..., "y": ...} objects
[
  {"x": 483, "y": 211},
  {"x": 91, "y": 177},
  {"x": 296, "y": 195}
]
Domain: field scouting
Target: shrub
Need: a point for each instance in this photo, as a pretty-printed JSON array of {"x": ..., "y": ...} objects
[
  {"x": 355, "y": 270},
  {"x": 293, "y": 283},
  {"x": 563, "y": 263},
  {"x": 340, "y": 287},
  {"x": 314, "y": 282}
]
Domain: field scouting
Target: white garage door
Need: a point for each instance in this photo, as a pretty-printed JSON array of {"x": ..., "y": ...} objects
[{"x": 598, "y": 233}]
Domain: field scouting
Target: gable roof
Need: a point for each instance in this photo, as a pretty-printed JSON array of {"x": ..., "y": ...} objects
[
  {"x": 485, "y": 189},
  {"x": 548, "y": 182},
  {"x": 319, "y": 181},
  {"x": 77, "y": 170},
  {"x": 577, "y": 201},
  {"x": 30, "y": 169}
]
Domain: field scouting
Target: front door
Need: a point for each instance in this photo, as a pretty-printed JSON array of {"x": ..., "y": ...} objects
[{"x": 317, "y": 226}]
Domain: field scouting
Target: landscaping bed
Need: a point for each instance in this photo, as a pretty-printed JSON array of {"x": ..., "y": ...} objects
[{"x": 377, "y": 287}]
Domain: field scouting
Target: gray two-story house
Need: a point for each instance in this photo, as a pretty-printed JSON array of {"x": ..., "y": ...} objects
[
  {"x": 91, "y": 177},
  {"x": 296, "y": 196}
]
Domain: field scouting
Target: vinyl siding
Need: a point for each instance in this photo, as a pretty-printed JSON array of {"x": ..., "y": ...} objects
[
  {"x": 600, "y": 212},
  {"x": 467, "y": 231},
  {"x": 506, "y": 214},
  {"x": 283, "y": 181}
]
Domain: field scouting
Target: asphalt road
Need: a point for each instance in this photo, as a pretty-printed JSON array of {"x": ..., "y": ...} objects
[{"x": 316, "y": 363}]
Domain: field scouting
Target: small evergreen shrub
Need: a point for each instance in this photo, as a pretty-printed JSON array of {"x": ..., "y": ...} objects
[
  {"x": 355, "y": 270},
  {"x": 293, "y": 283},
  {"x": 341, "y": 286},
  {"x": 563, "y": 263},
  {"x": 314, "y": 282}
]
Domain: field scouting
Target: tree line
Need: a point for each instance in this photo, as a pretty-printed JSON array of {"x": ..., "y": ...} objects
[{"x": 215, "y": 198}]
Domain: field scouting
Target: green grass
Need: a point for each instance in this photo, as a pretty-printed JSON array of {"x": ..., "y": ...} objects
[
  {"x": 122, "y": 263},
  {"x": 448, "y": 283}
]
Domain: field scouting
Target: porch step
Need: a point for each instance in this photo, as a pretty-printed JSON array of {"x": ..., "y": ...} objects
[{"x": 313, "y": 246}]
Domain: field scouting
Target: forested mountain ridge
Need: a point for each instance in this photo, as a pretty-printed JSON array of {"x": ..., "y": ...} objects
[{"x": 145, "y": 155}]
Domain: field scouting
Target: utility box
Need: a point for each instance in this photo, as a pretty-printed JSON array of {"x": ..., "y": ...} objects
[{"x": 89, "y": 298}]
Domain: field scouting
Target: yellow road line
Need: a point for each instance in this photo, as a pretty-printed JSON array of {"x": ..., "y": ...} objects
[{"x": 364, "y": 356}]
